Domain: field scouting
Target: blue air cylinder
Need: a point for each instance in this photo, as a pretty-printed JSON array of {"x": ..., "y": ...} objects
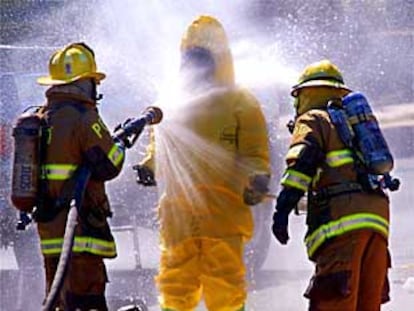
[
  {"x": 369, "y": 138},
  {"x": 340, "y": 119}
]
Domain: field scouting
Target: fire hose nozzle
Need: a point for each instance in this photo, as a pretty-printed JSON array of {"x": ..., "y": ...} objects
[
  {"x": 131, "y": 129},
  {"x": 153, "y": 115}
]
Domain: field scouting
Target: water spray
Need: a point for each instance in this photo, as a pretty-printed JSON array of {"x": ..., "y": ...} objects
[{"x": 22, "y": 47}]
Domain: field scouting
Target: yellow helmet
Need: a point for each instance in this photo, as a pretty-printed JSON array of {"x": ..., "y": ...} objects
[
  {"x": 73, "y": 62},
  {"x": 322, "y": 73}
]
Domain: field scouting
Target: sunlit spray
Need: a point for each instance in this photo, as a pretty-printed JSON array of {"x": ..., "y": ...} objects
[
  {"x": 147, "y": 69},
  {"x": 136, "y": 44}
]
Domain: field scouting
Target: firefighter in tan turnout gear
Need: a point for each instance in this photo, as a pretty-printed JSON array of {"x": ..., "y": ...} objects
[
  {"x": 74, "y": 135},
  {"x": 213, "y": 168},
  {"x": 348, "y": 218}
]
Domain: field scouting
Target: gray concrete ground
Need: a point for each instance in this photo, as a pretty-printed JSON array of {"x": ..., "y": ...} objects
[{"x": 284, "y": 278}]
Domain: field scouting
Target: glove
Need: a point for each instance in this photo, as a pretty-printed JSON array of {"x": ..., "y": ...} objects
[
  {"x": 286, "y": 201},
  {"x": 119, "y": 134},
  {"x": 145, "y": 176},
  {"x": 280, "y": 226},
  {"x": 257, "y": 189}
]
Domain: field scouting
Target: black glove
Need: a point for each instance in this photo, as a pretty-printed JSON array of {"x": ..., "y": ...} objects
[
  {"x": 286, "y": 201},
  {"x": 257, "y": 189},
  {"x": 280, "y": 226},
  {"x": 145, "y": 176},
  {"x": 119, "y": 134}
]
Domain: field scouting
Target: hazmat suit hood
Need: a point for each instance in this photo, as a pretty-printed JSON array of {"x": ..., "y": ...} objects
[{"x": 206, "y": 32}]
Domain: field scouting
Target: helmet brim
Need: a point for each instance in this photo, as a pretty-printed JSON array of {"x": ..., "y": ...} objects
[
  {"x": 315, "y": 83},
  {"x": 48, "y": 80}
]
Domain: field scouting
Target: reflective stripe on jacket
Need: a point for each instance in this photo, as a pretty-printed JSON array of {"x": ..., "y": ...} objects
[
  {"x": 116, "y": 154},
  {"x": 298, "y": 180},
  {"x": 338, "y": 158},
  {"x": 58, "y": 171},
  {"x": 81, "y": 244}
]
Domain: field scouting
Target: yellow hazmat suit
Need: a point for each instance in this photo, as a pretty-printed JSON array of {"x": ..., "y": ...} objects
[{"x": 205, "y": 158}]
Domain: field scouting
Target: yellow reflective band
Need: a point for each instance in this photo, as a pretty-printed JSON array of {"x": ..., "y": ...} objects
[
  {"x": 81, "y": 244},
  {"x": 116, "y": 154},
  {"x": 295, "y": 179},
  {"x": 339, "y": 157},
  {"x": 94, "y": 246},
  {"x": 343, "y": 225},
  {"x": 51, "y": 246},
  {"x": 58, "y": 171},
  {"x": 295, "y": 151}
]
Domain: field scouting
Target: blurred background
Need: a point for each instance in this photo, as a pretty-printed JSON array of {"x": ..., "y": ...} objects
[{"x": 136, "y": 43}]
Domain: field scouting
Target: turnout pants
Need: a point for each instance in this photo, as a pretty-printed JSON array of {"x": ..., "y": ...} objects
[
  {"x": 351, "y": 274},
  {"x": 84, "y": 285},
  {"x": 203, "y": 266}
]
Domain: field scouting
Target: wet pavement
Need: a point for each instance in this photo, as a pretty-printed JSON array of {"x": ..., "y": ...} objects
[
  {"x": 286, "y": 272},
  {"x": 279, "y": 285}
]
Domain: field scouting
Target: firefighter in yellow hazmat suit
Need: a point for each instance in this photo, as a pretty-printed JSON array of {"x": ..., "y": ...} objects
[{"x": 213, "y": 163}]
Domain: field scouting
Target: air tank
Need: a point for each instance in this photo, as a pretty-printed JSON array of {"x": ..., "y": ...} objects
[
  {"x": 369, "y": 138},
  {"x": 25, "y": 179}
]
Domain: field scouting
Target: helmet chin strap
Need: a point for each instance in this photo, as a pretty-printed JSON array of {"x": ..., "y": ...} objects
[
  {"x": 296, "y": 104},
  {"x": 95, "y": 95}
]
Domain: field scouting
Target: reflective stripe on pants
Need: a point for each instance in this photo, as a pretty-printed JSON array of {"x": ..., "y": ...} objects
[{"x": 343, "y": 225}]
